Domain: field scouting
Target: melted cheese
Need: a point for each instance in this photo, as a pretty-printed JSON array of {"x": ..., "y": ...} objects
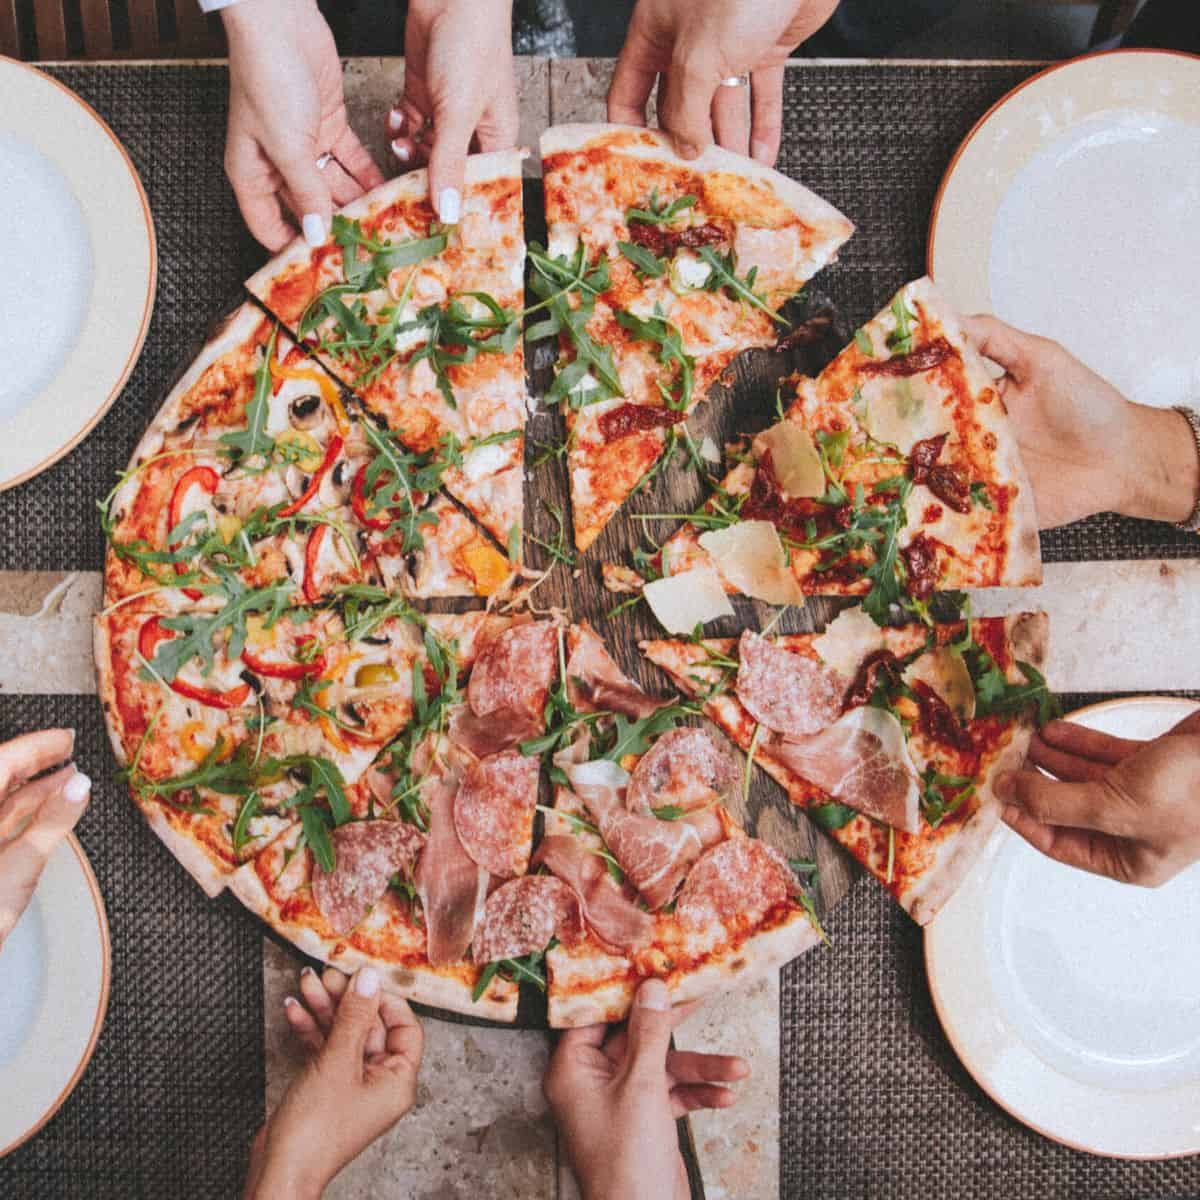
[{"x": 903, "y": 411}]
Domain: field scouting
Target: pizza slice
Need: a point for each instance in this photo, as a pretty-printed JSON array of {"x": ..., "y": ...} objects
[
  {"x": 891, "y": 738},
  {"x": 657, "y": 274},
  {"x": 423, "y": 322},
  {"x": 254, "y": 467},
  {"x": 893, "y": 474}
]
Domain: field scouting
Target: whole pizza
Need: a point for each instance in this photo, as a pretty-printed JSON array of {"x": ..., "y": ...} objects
[{"x": 482, "y": 800}]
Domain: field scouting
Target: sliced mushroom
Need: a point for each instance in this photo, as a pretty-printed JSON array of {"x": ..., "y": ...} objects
[
  {"x": 306, "y": 411},
  {"x": 335, "y": 484},
  {"x": 297, "y": 481}
]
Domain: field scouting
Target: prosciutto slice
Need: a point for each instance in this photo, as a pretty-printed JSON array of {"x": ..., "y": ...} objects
[
  {"x": 654, "y": 854},
  {"x": 786, "y": 692},
  {"x": 502, "y": 730},
  {"x": 451, "y": 886},
  {"x": 366, "y": 856},
  {"x": 609, "y": 913},
  {"x": 596, "y": 684},
  {"x": 861, "y": 760},
  {"x": 683, "y": 769}
]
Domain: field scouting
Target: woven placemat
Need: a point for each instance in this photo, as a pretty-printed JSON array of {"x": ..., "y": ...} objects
[{"x": 175, "y": 1091}]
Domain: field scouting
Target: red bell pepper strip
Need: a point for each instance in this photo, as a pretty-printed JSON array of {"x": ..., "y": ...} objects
[
  {"x": 358, "y": 502},
  {"x": 312, "y": 551},
  {"x": 335, "y": 448},
  {"x": 202, "y": 477},
  {"x": 151, "y": 635},
  {"x": 285, "y": 670}
]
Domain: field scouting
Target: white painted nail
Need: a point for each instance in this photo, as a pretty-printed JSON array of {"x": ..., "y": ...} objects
[
  {"x": 395, "y": 120},
  {"x": 366, "y": 982},
  {"x": 400, "y": 150},
  {"x": 290, "y": 1002},
  {"x": 314, "y": 228},
  {"x": 78, "y": 789},
  {"x": 449, "y": 206}
]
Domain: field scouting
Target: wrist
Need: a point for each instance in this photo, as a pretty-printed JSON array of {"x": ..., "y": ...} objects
[
  {"x": 287, "y": 1175},
  {"x": 244, "y": 16},
  {"x": 1164, "y": 480}
]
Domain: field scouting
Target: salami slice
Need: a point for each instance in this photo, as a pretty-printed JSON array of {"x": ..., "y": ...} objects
[
  {"x": 785, "y": 691},
  {"x": 514, "y": 671},
  {"x": 521, "y": 916},
  {"x": 741, "y": 877},
  {"x": 366, "y": 855},
  {"x": 493, "y": 812},
  {"x": 683, "y": 769}
]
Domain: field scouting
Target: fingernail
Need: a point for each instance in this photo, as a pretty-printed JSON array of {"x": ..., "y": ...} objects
[
  {"x": 78, "y": 789},
  {"x": 760, "y": 150},
  {"x": 395, "y": 120},
  {"x": 306, "y": 971},
  {"x": 449, "y": 206},
  {"x": 366, "y": 982},
  {"x": 290, "y": 1002},
  {"x": 400, "y": 150},
  {"x": 313, "y": 227},
  {"x": 653, "y": 995}
]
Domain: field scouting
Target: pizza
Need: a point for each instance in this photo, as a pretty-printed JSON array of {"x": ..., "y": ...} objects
[
  {"x": 658, "y": 272},
  {"x": 892, "y": 475},
  {"x": 890, "y": 738},
  {"x": 423, "y": 322}
]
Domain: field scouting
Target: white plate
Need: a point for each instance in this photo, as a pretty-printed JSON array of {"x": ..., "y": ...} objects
[
  {"x": 1074, "y": 1001},
  {"x": 78, "y": 250},
  {"x": 54, "y": 976},
  {"x": 1070, "y": 210}
]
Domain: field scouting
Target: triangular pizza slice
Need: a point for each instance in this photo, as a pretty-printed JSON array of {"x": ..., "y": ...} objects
[
  {"x": 658, "y": 272},
  {"x": 423, "y": 322},
  {"x": 891, "y": 738}
]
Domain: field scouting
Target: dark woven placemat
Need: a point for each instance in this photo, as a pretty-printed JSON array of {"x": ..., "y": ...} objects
[{"x": 175, "y": 1091}]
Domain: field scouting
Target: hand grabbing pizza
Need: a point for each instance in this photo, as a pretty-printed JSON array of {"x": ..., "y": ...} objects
[
  {"x": 1122, "y": 808},
  {"x": 360, "y": 1080},
  {"x": 287, "y": 110},
  {"x": 689, "y": 46},
  {"x": 616, "y": 1098},
  {"x": 1087, "y": 449},
  {"x": 34, "y": 816},
  {"x": 460, "y": 92}
]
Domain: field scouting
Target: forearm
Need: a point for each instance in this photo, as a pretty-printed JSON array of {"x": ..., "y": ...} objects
[{"x": 1162, "y": 467}]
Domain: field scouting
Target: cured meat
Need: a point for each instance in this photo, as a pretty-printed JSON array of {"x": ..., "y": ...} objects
[
  {"x": 493, "y": 812},
  {"x": 654, "y": 854},
  {"x": 514, "y": 671},
  {"x": 787, "y": 692},
  {"x": 450, "y": 884},
  {"x": 366, "y": 855},
  {"x": 683, "y": 769},
  {"x": 596, "y": 684},
  {"x": 609, "y": 913},
  {"x": 497, "y": 731},
  {"x": 521, "y": 917},
  {"x": 861, "y": 760},
  {"x": 741, "y": 878}
]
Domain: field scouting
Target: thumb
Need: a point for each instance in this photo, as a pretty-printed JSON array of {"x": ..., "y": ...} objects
[
  {"x": 310, "y": 195},
  {"x": 355, "y": 1018},
  {"x": 1001, "y": 343},
  {"x": 448, "y": 161},
  {"x": 649, "y": 1029}
]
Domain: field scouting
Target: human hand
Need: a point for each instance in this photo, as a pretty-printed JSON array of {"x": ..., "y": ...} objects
[
  {"x": 616, "y": 1099},
  {"x": 286, "y": 109},
  {"x": 460, "y": 92},
  {"x": 361, "y": 1079},
  {"x": 694, "y": 44},
  {"x": 1126, "y": 809},
  {"x": 1087, "y": 449},
  {"x": 34, "y": 817}
]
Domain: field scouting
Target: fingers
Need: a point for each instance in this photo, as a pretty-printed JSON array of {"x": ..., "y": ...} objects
[
  {"x": 766, "y": 114},
  {"x": 1001, "y": 343},
  {"x": 1082, "y": 805},
  {"x": 1189, "y": 724},
  {"x": 731, "y": 119},
  {"x": 329, "y": 990},
  {"x": 356, "y": 1014},
  {"x": 33, "y": 753},
  {"x": 303, "y": 1025},
  {"x": 403, "y": 1034},
  {"x": 633, "y": 79},
  {"x": 499, "y": 126},
  {"x": 1088, "y": 743},
  {"x": 317, "y": 997},
  {"x": 310, "y": 194},
  {"x": 691, "y": 1097},
  {"x": 342, "y": 186},
  {"x": 649, "y": 1030},
  {"x": 685, "y": 105},
  {"x": 689, "y": 1066},
  {"x": 256, "y": 187},
  {"x": 1070, "y": 768},
  {"x": 356, "y": 159},
  {"x": 1099, "y": 853},
  {"x": 27, "y": 800},
  {"x": 452, "y": 133}
]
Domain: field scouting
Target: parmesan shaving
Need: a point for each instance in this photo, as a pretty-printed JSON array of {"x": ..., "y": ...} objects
[
  {"x": 709, "y": 451},
  {"x": 681, "y": 602},
  {"x": 752, "y": 559},
  {"x": 847, "y": 641},
  {"x": 794, "y": 457},
  {"x": 947, "y": 674},
  {"x": 901, "y": 412}
]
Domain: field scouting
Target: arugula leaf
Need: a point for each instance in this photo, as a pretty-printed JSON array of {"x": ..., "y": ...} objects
[
  {"x": 804, "y": 868},
  {"x": 316, "y": 836},
  {"x": 900, "y": 340},
  {"x": 723, "y": 274},
  {"x": 529, "y": 969},
  {"x": 643, "y": 261},
  {"x": 254, "y": 440},
  {"x": 636, "y": 737},
  {"x": 558, "y": 547},
  {"x": 863, "y": 341},
  {"x": 669, "y": 812},
  {"x": 382, "y": 256},
  {"x": 251, "y": 808},
  {"x": 670, "y": 352},
  {"x": 981, "y": 496},
  {"x": 659, "y": 212},
  {"x": 943, "y": 795},
  {"x": 831, "y": 815}
]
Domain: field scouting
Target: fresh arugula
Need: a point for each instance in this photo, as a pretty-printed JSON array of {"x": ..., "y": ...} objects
[
  {"x": 659, "y": 330},
  {"x": 367, "y": 262},
  {"x": 636, "y": 736},
  {"x": 366, "y": 607},
  {"x": 659, "y": 211},
  {"x": 831, "y": 816},
  {"x": 900, "y": 340},
  {"x": 557, "y": 547},
  {"x": 529, "y": 969},
  {"x": 645, "y": 263},
  {"x": 722, "y": 273},
  {"x": 981, "y": 496},
  {"x": 943, "y": 795},
  {"x": 254, "y": 442},
  {"x": 863, "y": 341}
]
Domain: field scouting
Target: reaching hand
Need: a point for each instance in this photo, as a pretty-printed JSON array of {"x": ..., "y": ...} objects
[
  {"x": 1126, "y": 809},
  {"x": 286, "y": 109},
  {"x": 616, "y": 1100},
  {"x": 34, "y": 817},
  {"x": 694, "y": 44},
  {"x": 1087, "y": 449},
  {"x": 460, "y": 92},
  {"x": 360, "y": 1080}
]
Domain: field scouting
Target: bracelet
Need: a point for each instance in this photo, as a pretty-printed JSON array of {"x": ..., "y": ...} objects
[{"x": 1192, "y": 523}]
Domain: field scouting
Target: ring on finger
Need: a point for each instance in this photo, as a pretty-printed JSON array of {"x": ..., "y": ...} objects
[
  {"x": 324, "y": 160},
  {"x": 736, "y": 81}
]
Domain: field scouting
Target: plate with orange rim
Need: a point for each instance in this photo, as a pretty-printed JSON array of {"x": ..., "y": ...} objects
[
  {"x": 1069, "y": 211},
  {"x": 78, "y": 246},
  {"x": 55, "y": 969},
  {"x": 1074, "y": 1001}
]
